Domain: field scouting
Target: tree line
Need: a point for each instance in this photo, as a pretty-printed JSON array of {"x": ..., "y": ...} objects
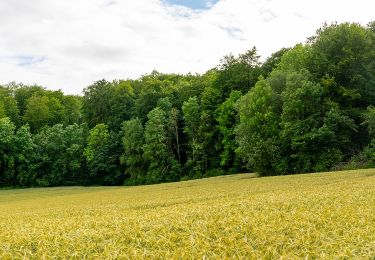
[{"x": 304, "y": 109}]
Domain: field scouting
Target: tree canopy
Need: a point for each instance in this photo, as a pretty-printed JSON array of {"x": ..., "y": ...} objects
[{"x": 303, "y": 109}]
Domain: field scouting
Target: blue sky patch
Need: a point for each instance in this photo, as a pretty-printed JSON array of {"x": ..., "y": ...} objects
[
  {"x": 193, "y": 4},
  {"x": 25, "y": 60}
]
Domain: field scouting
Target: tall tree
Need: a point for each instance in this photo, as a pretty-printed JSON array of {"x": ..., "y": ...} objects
[
  {"x": 345, "y": 53},
  {"x": 103, "y": 152},
  {"x": 25, "y": 157},
  {"x": 23, "y": 92},
  {"x": 60, "y": 155},
  {"x": 314, "y": 129},
  {"x": 72, "y": 110},
  {"x": 258, "y": 132},
  {"x": 133, "y": 141},
  {"x": 9, "y": 108},
  {"x": 41, "y": 111},
  {"x": 191, "y": 114},
  {"x": 7, "y": 163},
  {"x": 2, "y": 110},
  {"x": 162, "y": 164},
  {"x": 226, "y": 116},
  {"x": 121, "y": 104},
  {"x": 96, "y": 102},
  {"x": 239, "y": 73},
  {"x": 208, "y": 130}
]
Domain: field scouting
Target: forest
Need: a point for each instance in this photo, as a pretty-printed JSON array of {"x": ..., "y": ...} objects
[{"x": 309, "y": 108}]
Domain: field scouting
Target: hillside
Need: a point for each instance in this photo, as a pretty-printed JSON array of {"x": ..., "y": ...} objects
[{"x": 325, "y": 215}]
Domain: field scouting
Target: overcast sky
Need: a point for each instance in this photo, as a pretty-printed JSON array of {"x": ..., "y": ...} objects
[{"x": 69, "y": 44}]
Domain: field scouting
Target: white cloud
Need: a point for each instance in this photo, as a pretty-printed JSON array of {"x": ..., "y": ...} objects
[{"x": 69, "y": 44}]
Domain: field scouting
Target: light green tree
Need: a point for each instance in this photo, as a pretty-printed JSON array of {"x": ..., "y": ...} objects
[{"x": 258, "y": 131}]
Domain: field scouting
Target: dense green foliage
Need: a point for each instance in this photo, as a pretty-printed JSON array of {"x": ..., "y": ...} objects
[{"x": 307, "y": 108}]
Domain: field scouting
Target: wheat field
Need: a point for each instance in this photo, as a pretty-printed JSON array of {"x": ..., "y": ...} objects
[{"x": 325, "y": 215}]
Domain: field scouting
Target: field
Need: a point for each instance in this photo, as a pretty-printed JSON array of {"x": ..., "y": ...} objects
[{"x": 326, "y": 215}]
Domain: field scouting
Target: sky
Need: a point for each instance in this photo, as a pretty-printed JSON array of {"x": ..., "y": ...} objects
[{"x": 70, "y": 44}]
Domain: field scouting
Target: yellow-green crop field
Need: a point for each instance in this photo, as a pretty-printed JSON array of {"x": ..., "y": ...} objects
[{"x": 326, "y": 215}]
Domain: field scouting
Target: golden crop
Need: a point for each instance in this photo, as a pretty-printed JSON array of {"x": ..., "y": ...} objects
[{"x": 327, "y": 215}]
